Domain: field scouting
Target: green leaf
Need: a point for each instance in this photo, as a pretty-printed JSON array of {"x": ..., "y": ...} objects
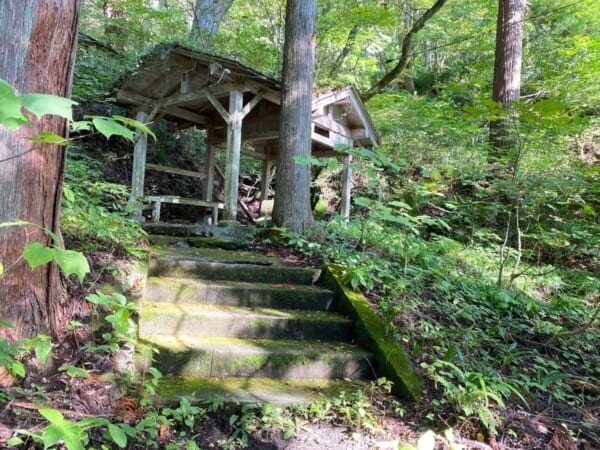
[
  {"x": 1, "y": 269},
  {"x": 110, "y": 127},
  {"x": 37, "y": 254},
  {"x": 18, "y": 368},
  {"x": 52, "y": 415},
  {"x": 13, "y": 224},
  {"x": 72, "y": 262},
  {"x": 73, "y": 371},
  {"x": 42, "y": 104},
  {"x": 363, "y": 201},
  {"x": 11, "y": 115},
  {"x": 303, "y": 160},
  {"x": 42, "y": 351},
  {"x": 332, "y": 164},
  {"x": 135, "y": 124},
  {"x": 341, "y": 147},
  {"x": 82, "y": 125},
  {"x": 72, "y": 438},
  {"x": 52, "y": 434},
  {"x": 48, "y": 138},
  {"x": 14, "y": 441},
  {"x": 117, "y": 435},
  {"x": 5, "y": 324}
]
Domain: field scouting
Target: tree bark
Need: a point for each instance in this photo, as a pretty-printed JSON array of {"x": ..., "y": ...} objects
[
  {"x": 292, "y": 200},
  {"x": 406, "y": 53},
  {"x": 208, "y": 15},
  {"x": 507, "y": 68},
  {"x": 37, "y": 51}
]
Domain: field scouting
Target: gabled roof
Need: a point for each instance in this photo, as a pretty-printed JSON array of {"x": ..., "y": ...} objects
[{"x": 192, "y": 88}]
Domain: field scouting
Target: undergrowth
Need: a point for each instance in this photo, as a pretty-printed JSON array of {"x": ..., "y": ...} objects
[{"x": 480, "y": 344}]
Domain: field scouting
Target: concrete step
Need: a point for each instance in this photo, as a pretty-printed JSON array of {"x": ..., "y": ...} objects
[
  {"x": 251, "y": 390},
  {"x": 234, "y": 271},
  {"x": 220, "y": 264},
  {"x": 160, "y": 318},
  {"x": 224, "y": 357},
  {"x": 231, "y": 293}
]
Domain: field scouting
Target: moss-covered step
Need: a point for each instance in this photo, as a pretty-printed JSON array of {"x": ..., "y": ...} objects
[
  {"x": 237, "y": 322},
  {"x": 225, "y": 243},
  {"x": 234, "y": 271},
  {"x": 279, "y": 392},
  {"x": 392, "y": 360},
  {"x": 264, "y": 358},
  {"x": 186, "y": 230},
  {"x": 232, "y": 293},
  {"x": 215, "y": 255}
]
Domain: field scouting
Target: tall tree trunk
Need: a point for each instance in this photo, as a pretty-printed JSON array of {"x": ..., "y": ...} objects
[
  {"x": 292, "y": 200},
  {"x": 208, "y": 15},
  {"x": 406, "y": 53},
  {"x": 37, "y": 51},
  {"x": 507, "y": 69}
]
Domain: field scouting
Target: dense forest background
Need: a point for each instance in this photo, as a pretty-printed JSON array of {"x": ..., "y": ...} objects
[{"x": 483, "y": 263}]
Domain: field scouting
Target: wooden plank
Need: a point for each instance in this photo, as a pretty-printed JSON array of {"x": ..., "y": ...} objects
[
  {"x": 176, "y": 200},
  {"x": 175, "y": 170}
]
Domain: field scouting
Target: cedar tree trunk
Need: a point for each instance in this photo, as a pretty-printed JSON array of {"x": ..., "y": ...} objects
[
  {"x": 37, "y": 51},
  {"x": 208, "y": 15},
  {"x": 507, "y": 69},
  {"x": 292, "y": 194}
]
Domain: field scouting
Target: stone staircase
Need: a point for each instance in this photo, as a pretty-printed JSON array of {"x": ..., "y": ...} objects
[{"x": 245, "y": 325}]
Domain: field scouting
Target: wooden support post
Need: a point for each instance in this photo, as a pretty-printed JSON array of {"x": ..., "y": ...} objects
[
  {"x": 156, "y": 212},
  {"x": 265, "y": 180},
  {"x": 139, "y": 169},
  {"x": 209, "y": 168},
  {"x": 346, "y": 187},
  {"x": 234, "y": 145}
]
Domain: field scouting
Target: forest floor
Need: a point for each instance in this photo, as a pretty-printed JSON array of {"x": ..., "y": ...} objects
[{"x": 385, "y": 423}]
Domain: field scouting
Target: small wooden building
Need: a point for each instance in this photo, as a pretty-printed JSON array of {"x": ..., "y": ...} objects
[{"x": 236, "y": 106}]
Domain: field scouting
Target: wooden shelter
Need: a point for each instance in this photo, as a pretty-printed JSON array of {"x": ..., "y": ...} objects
[{"x": 239, "y": 109}]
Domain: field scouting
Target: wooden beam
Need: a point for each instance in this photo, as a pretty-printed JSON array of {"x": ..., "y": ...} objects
[
  {"x": 329, "y": 123},
  {"x": 220, "y": 108},
  {"x": 186, "y": 83},
  {"x": 132, "y": 98},
  {"x": 252, "y": 103},
  {"x": 332, "y": 140},
  {"x": 139, "y": 169},
  {"x": 175, "y": 170},
  {"x": 197, "y": 96},
  {"x": 234, "y": 144},
  {"x": 209, "y": 167},
  {"x": 253, "y": 154},
  {"x": 272, "y": 95},
  {"x": 196, "y": 118}
]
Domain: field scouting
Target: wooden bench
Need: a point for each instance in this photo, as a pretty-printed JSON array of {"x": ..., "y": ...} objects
[{"x": 157, "y": 200}]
